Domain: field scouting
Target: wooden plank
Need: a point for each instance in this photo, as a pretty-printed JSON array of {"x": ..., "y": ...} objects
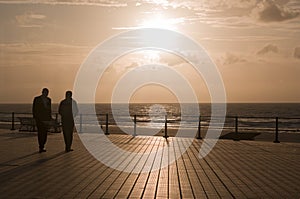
[
  {"x": 162, "y": 186},
  {"x": 151, "y": 183},
  {"x": 125, "y": 189},
  {"x": 86, "y": 166},
  {"x": 138, "y": 189},
  {"x": 265, "y": 182},
  {"x": 243, "y": 169},
  {"x": 174, "y": 186},
  {"x": 111, "y": 177},
  {"x": 185, "y": 186},
  {"x": 196, "y": 184},
  {"x": 124, "y": 176},
  {"x": 202, "y": 173}
]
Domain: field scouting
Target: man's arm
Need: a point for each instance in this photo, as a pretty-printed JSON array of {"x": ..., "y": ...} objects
[
  {"x": 74, "y": 108},
  {"x": 59, "y": 108},
  {"x": 34, "y": 107},
  {"x": 50, "y": 109}
]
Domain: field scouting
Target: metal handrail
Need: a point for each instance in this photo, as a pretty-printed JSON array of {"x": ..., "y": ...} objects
[{"x": 166, "y": 119}]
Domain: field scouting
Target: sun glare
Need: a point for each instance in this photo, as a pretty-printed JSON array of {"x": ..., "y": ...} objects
[{"x": 160, "y": 21}]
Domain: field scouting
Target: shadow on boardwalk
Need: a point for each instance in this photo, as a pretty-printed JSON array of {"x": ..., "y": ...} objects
[
  {"x": 17, "y": 170},
  {"x": 244, "y": 169}
]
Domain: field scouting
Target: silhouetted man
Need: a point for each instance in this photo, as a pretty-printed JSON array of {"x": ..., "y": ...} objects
[
  {"x": 68, "y": 110},
  {"x": 41, "y": 110}
]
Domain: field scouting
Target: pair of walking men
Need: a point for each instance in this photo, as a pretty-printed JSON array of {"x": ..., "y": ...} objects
[{"x": 41, "y": 110}]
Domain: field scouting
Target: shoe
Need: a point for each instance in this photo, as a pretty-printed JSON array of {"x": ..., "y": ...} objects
[
  {"x": 42, "y": 150},
  {"x": 68, "y": 150}
]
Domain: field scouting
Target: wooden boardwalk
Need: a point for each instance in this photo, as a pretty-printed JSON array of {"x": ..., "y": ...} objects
[{"x": 233, "y": 169}]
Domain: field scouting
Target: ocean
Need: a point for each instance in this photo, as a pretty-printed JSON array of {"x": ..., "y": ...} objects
[{"x": 251, "y": 116}]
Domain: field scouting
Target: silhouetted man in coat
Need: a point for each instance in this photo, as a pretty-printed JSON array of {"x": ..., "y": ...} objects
[
  {"x": 41, "y": 110},
  {"x": 68, "y": 110}
]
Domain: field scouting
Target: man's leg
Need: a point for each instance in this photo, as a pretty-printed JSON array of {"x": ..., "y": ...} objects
[
  {"x": 69, "y": 137},
  {"x": 65, "y": 133},
  {"x": 42, "y": 135}
]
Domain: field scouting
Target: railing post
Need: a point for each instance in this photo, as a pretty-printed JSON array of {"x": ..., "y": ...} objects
[
  {"x": 199, "y": 128},
  {"x": 106, "y": 125},
  {"x": 134, "y": 128},
  {"x": 166, "y": 127},
  {"x": 236, "y": 136},
  {"x": 12, "y": 121},
  {"x": 276, "y": 132},
  {"x": 80, "y": 124}
]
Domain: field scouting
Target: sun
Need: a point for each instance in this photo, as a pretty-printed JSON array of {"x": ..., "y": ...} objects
[{"x": 160, "y": 21}]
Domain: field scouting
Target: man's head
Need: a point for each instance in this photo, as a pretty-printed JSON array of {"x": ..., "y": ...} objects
[
  {"x": 45, "y": 92},
  {"x": 69, "y": 94}
]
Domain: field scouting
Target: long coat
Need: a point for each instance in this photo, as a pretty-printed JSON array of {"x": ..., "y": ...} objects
[
  {"x": 68, "y": 110},
  {"x": 41, "y": 109}
]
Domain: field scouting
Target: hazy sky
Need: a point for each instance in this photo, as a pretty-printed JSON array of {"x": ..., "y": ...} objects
[{"x": 254, "y": 43}]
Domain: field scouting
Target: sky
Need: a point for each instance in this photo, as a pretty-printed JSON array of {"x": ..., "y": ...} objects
[{"x": 255, "y": 45}]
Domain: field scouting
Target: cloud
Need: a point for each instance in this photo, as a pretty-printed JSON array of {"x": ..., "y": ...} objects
[
  {"x": 103, "y": 3},
  {"x": 243, "y": 13},
  {"x": 297, "y": 53},
  {"x": 270, "y": 11},
  {"x": 231, "y": 58},
  {"x": 270, "y": 48},
  {"x": 245, "y": 38},
  {"x": 30, "y": 20},
  {"x": 171, "y": 59}
]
